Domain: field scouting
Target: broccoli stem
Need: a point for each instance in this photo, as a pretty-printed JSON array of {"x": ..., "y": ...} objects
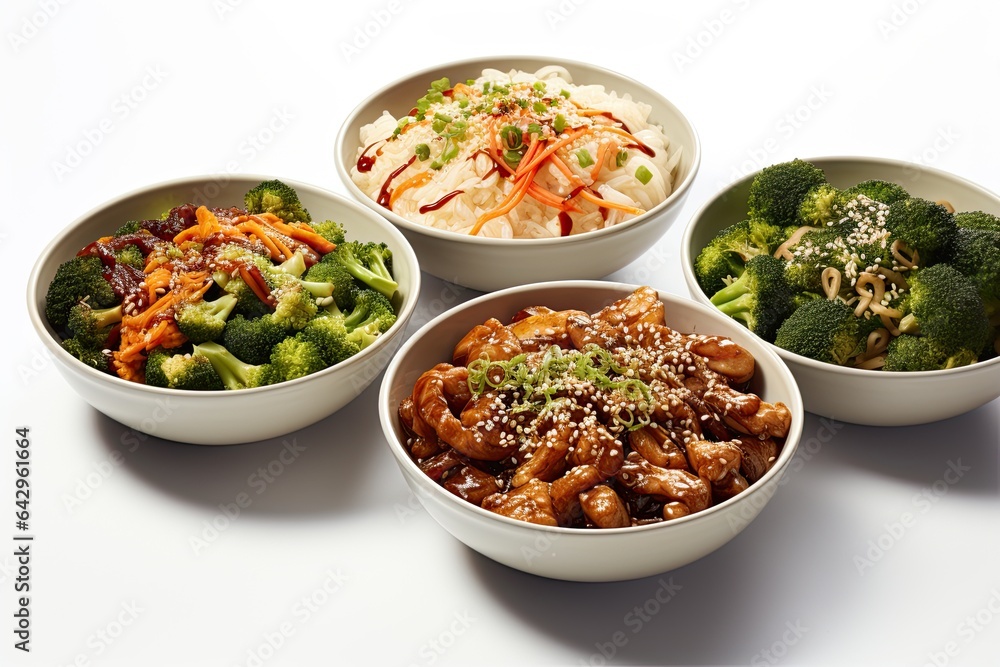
[
  {"x": 235, "y": 374},
  {"x": 909, "y": 325}
]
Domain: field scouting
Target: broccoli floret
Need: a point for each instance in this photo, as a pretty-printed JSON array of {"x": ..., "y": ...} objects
[
  {"x": 364, "y": 336},
  {"x": 370, "y": 307},
  {"x": 945, "y": 306},
  {"x": 90, "y": 326},
  {"x": 331, "y": 337},
  {"x": 131, "y": 255},
  {"x": 368, "y": 262},
  {"x": 727, "y": 253},
  {"x": 296, "y": 357},
  {"x": 761, "y": 297},
  {"x": 236, "y": 374},
  {"x": 823, "y": 330},
  {"x": 181, "y": 371},
  {"x": 976, "y": 255},
  {"x": 286, "y": 276},
  {"x": 89, "y": 330},
  {"x": 92, "y": 356},
  {"x": 75, "y": 280},
  {"x": 248, "y": 303},
  {"x": 978, "y": 220},
  {"x": 130, "y": 227},
  {"x": 924, "y": 226},
  {"x": 878, "y": 190},
  {"x": 918, "y": 353},
  {"x": 331, "y": 231},
  {"x": 252, "y": 340},
  {"x": 202, "y": 321},
  {"x": 777, "y": 191},
  {"x": 822, "y": 204},
  {"x": 333, "y": 271},
  {"x": 278, "y": 199},
  {"x": 294, "y": 306},
  {"x": 809, "y": 257}
]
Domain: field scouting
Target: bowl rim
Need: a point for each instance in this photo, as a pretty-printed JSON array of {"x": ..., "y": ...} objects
[
  {"x": 49, "y": 338},
  {"x": 687, "y": 266},
  {"x": 765, "y": 484},
  {"x": 678, "y": 193}
]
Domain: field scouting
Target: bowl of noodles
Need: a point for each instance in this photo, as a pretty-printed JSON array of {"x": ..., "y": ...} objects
[
  {"x": 503, "y": 171},
  {"x": 590, "y": 431}
]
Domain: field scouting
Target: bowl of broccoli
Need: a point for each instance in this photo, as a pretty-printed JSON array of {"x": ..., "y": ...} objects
[
  {"x": 877, "y": 281},
  {"x": 221, "y": 313}
]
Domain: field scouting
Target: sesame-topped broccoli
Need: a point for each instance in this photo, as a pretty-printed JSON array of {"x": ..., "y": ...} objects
[{"x": 875, "y": 277}]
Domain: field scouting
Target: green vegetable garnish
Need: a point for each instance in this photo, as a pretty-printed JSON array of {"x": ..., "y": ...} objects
[
  {"x": 583, "y": 156},
  {"x": 643, "y": 175},
  {"x": 422, "y": 151}
]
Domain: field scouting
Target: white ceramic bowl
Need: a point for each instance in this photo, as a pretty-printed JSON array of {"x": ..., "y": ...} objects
[
  {"x": 489, "y": 264},
  {"x": 572, "y": 553},
  {"x": 875, "y": 398},
  {"x": 223, "y": 417}
]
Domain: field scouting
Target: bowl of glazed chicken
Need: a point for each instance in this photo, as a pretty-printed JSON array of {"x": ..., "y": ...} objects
[{"x": 590, "y": 431}]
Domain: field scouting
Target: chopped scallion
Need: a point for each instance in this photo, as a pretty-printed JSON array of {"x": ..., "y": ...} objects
[
  {"x": 584, "y": 158},
  {"x": 643, "y": 175}
]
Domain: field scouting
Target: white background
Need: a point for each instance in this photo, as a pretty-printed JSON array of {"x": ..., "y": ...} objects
[{"x": 142, "y": 93}]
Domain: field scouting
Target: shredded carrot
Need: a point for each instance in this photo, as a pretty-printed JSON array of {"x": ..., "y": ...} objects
[
  {"x": 602, "y": 154},
  {"x": 411, "y": 182},
  {"x": 604, "y": 203},
  {"x": 252, "y": 228},
  {"x": 553, "y": 146},
  {"x": 513, "y": 198},
  {"x": 283, "y": 248},
  {"x": 622, "y": 133},
  {"x": 260, "y": 290},
  {"x": 564, "y": 168},
  {"x": 528, "y": 154},
  {"x": 300, "y": 231}
]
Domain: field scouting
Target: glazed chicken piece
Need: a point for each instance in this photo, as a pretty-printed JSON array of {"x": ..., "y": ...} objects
[
  {"x": 439, "y": 465},
  {"x": 665, "y": 484},
  {"x": 611, "y": 326},
  {"x": 654, "y": 445},
  {"x": 431, "y": 404},
  {"x": 747, "y": 413},
  {"x": 539, "y": 327},
  {"x": 603, "y": 508},
  {"x": 547, "y": 458},
  {"x": 531, "y": 503},
  {"x": 472, "y": 484},
  {"x": 490, "y": 339},
  {"x": 714, "y": 461},
  {"x": 565, "y": 493},
  {"x": 725, "y": 357},
  {"x": 758, "y": 456}
]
